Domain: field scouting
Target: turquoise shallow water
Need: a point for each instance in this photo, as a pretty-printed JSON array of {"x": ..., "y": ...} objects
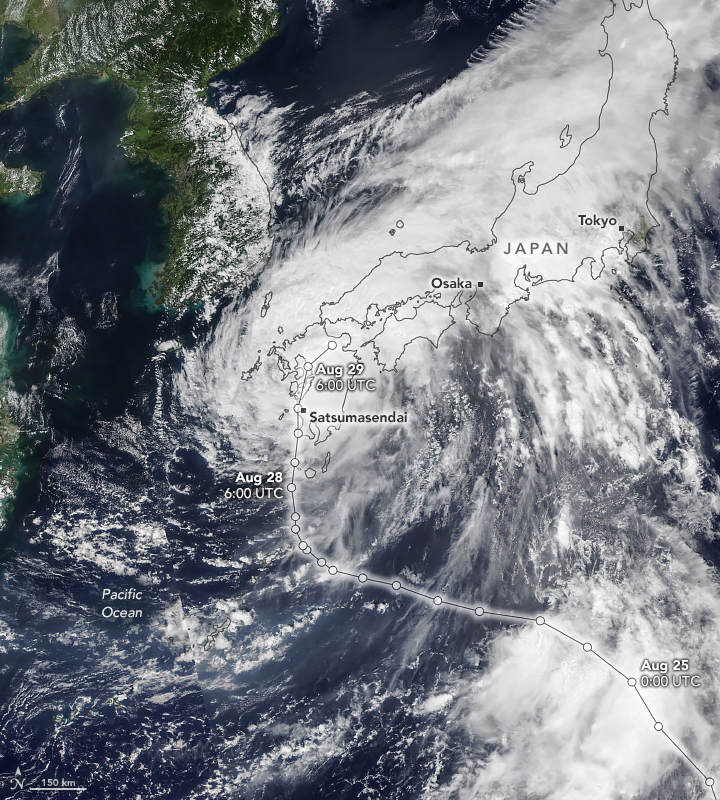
[
  {"x": 116, "y": 485},
  {"x": 71, "y": 258},
  {"x": 119, "y": 488},
  {"x": 81, "y": 358}
]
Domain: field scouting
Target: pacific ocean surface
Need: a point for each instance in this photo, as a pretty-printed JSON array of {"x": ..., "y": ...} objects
[{"x": 116, "y": 494}]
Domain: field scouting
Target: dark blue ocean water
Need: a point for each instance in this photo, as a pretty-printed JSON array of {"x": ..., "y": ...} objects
[
  {"x": 387, "y": 50},
  {"x": 360, "y": 56},
  {"x": 117, "y": 489},
  {"x": 16, "y": 46},
  {"x": 70, "y": 257}
]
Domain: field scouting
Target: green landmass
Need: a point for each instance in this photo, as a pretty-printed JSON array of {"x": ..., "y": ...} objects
[
  {"x": 167, "y": 52},
  {"x": 10, "y": 459},
  {"x": 23, "y": 179},
  {"x": 12, "y": 445},
  {"x": 38, "y": 15},
  {"x": 17, "y": 45}
]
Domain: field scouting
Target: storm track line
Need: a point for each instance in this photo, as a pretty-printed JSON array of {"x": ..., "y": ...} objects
[{"x": 438, "y": 600}]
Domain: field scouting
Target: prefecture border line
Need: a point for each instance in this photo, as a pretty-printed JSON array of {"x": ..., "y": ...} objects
[{"x": 439, "y": 600}]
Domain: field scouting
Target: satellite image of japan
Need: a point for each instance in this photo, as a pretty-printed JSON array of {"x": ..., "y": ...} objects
[{"x": 360, "y": 399}]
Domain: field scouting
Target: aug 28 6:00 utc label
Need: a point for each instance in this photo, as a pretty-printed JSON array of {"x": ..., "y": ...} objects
[{"x": 256, "y": 486}]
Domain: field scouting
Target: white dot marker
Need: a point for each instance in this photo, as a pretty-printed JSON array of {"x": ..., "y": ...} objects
[
  {"x": 587, "y": 647},
  {"x": 302, "y": 545},
  {"x": 658, "y": 726},
  {"x": 479, "y": 611},
  {"x": 632, "y": 682},
  {"x": 332, "y": 570},
  {"x": 294, "y": 462},
  {"x": 295, "y": 516},
  {"x": 709, "y": 782},
  {"x": 291, "y": 487},
  {"x": 308, "y": 367},
  {"x": 396, "y": 585},
  {"x": 321, "y": 562},
  {"x": 298, "y": 433},
  {"x": 540, "y": 620},
  {"x": 296, "y": 408},
  {"x": 295, "y": 529},
  {"x": 362, "y": 577},
  {"x": 332, "y": 345},
  {"x": 437, "y": 600}
]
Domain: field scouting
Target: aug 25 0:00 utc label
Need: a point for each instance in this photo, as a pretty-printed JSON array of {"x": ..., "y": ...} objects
[{"x": 659, "y": 678}]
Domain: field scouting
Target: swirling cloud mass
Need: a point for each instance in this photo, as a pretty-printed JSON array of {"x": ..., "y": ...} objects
[{"x": 523, "y": 263}]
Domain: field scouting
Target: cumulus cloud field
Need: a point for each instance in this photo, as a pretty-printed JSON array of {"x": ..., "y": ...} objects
[{"x": 555, "y": 421}]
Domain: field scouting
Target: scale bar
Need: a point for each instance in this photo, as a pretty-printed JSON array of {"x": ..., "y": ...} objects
[{"x": 57, "y": 789}]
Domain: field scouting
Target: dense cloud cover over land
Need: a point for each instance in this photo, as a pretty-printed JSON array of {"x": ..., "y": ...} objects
[
  {"x": 565, "y": 461},
  {"x": 549, "y": 448}
]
